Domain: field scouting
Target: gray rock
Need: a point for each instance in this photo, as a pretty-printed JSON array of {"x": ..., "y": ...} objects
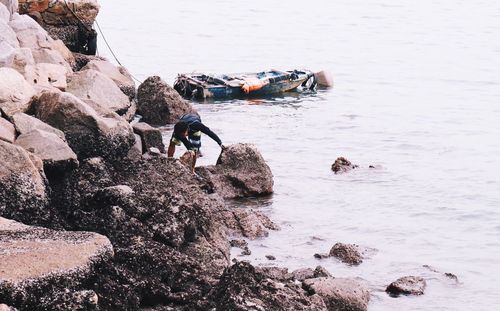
[
  {"x": 8, "y": 35},
  {"x": 22, "y": 186},
  {"x": 321, "y": 255},
  {"x": 87, "y": 133},
  {"x": 15, "y": 93},
  {"x": 339, "y": 293},
  {"x": 47, "y": 75},
  {"x": 241, "y": 171},
  {"x": 7, "y": 131},
  {"x": 25, "y": 123},
  {"x": 50, "y": 261},
  {"x": 408, "y": 285},
  {"x": 342, "y": 165},
  {"x": 31, "y": 35},
  {"x": 150, "y": 136},
  {"x": 15, "y": 58},
  {"x": 55, "y": 153},
  {"x": 159, "y": 103},
  {"x": 118, "y": 74},
  {"x": 95, "y": 86},
  {"x": 303, "y": 274},
  {"x": 247, "y": 223},
  {"x": 347, "y": 253}
]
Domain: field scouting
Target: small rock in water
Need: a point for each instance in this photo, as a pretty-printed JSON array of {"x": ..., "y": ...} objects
[
  {"x": 347, "y": 253},
  {"x": 270, "y": 257},
  {"x": 321, "y": 256},
  {"x": 451, "y": 276},
  {"x": 408, "y": 285},
  {"x": 321, "y": 272},
  {"x": 243, "y": 245},
  {"x": 342, "y": 165}
]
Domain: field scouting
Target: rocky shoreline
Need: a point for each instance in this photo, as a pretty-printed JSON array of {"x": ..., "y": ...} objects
[{"x": 94, "y": 216}]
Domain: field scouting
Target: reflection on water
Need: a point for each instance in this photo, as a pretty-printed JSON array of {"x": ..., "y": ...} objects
[{"x": 416, "y": 95}]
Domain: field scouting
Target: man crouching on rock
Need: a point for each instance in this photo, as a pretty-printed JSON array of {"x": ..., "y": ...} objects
[{"x": 188, "y": 131}]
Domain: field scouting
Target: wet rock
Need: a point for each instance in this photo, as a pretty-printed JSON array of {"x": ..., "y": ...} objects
[
  {"x": 33, "y": 36},
  {"x": 47, "y": 75},
  {"x": 321, "y": 255},
  {"x": 243, "y": 245},
  {"x": 95, "y": 86},
  {"x": 7, "y": 131},
  {"x": 408, "y": 285},
  {"x": 25, "y": 123},
  {"x": 321, "y": 272},
  {"x": 270, "y": 257},
  {"x": 55, "y": 153},
  {"x": 248, "y": 223},
  {"x": 303, "y": 274},
  {"x": 22, "y": 187},
  {"x": 342, "y": 165},
  {"x": 170, "y": 246},
  {"x": 241, "y": 171},
  {"x": 87, "y": 133},
  {"x": 339, "y": 293},
  {"x": 347, "y": 253},
  {"x": 118, "y": 74},
  {"x": 15, "y": 92},
  {"x": 150, "y": 136},
  {"x": 242, "y": 287},
  {"x": 37, "y": 264},
  {"x": 159, "y": 104}
]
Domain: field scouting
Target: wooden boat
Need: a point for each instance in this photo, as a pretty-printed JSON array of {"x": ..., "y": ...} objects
[{"x": 201, "y": 86}]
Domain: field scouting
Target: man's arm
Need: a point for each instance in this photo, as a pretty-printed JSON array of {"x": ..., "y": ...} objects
[{"x": 204, "y": 129}]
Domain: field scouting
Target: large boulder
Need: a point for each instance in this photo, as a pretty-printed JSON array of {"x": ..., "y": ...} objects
[
  {"x": 38, "y": 264},
  {"x": 12, "y": 6},
  {"x": 25, "y": 123},
  {"x": 33, "y": 36},
  {"x": 55, "y": 153},
  {"x": 87, "y": 133},
  {"x": 159, "y": 104},
  {"x": 118, "y": 74},
  {"x": 150, "y": 136},
  {"x": 241, "y": 171},
  {"x": 7, "y": 131},
  {"x": 243, "y": 287},
  {"x": 408, "y": 285},
  {"x": 15, "y": 93},
  {"x": 8, "y": 35},
  {"x": 95, "y": 86},
  {"x": 47, "y": 75},
  {"x": 339, "y": 293},
  {"x": 16, "y": 58},
  {"x": 22, "y": 186}
]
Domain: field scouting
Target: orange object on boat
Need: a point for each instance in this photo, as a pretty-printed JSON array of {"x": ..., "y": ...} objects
[{"x": 251, "y": 85}]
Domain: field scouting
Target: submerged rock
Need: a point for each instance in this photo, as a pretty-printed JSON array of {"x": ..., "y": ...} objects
[
  {"x": 241, "y": 171},
  {"x": 408, "y": 285},
  {"x": 342, "y": 165},
  {"x": 159, "y": 104},
  {"x": 339, "y": 293},
  {"x": 347, "y": 253},
  {"x": 38, "y": 264}
]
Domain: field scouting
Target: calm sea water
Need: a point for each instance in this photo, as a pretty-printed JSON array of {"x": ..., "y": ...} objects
[{"x": 417, "y": 93}]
